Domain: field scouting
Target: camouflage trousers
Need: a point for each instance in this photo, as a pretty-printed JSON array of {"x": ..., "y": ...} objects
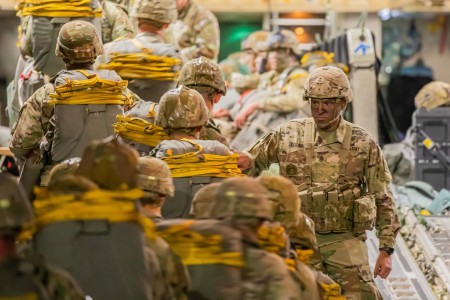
[{"x": 345, "y": 259}]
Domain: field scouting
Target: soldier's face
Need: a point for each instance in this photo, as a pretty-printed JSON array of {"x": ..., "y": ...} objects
[
  {"x": 279, "y": 59},
  {"x": 325, "y": 112}
]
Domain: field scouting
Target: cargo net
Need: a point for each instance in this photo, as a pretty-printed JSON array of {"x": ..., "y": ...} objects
[{"x": 57, "y": 8}]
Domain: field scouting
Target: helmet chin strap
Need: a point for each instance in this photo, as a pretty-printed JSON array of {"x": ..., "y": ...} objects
[{"x": 338, "y": 115}]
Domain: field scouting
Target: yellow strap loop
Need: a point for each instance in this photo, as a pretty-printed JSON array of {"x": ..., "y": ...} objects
[
  {"x": 114, "y": 206},
  {"x": 198, "y": 164},
  {"x": 142, "y": 65},
  {"x": 92, "y": 90},
  {"x": 139, "y": 130},
  {"x": 197, "y": 249},
  {"x": 57, "y": 8}
]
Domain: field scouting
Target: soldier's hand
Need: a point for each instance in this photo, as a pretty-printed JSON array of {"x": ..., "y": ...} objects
[
  {"x": 383, "y": 266},
  {"x": 244, "y": 114},
  {"x": 220, "y": 113},
  {"x": 244, "y": 161}
]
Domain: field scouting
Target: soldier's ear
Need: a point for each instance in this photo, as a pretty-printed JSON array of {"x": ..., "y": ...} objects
[{"x": 343, "y": 105}]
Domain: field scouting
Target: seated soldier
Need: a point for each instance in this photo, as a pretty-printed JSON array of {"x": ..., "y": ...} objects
[
  {"x": 154, "y": 178},
  {"x": 193, "y": 162},
  {"x": 26, "y": 277},
  {"x": 149, "y": 63},
  {"x": 88, "y": 223}
]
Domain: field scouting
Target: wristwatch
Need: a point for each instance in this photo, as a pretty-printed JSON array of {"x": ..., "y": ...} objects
[{"x": 389, "y": 250}]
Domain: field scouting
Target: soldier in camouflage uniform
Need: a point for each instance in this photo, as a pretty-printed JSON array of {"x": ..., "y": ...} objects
[
  {"x": 152, "y": 16},
  {"x": 196, "y": 33},
  {"x": 154, "y": 178},
  {"x": 205, "y": 76},
  {"x": 279, "y": 92},
  {"x": 348, "y": 172},
  {"x": 115, "y": 24},
  {"x": 183, "y": 113},
  {"x": 26, "y": 278},
  {"x": 78, "y": 46},
  {"x": 244, "y": 203}
]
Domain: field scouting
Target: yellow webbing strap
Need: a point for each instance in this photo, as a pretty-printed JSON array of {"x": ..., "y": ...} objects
[
  {"x": 291, "y": 264},
  {"x": 28, "y": 296},
  {"x": 139, "y": 130},
  {"x": 272, "y": 239},
  {"x": 328, "y": 57},
  {"x": 58, "y": 8},
  {"x": 332, "y": 291},
  {"x": 304, "y": 255},
  {"x": 196, "y": 249},
  {"x": 198, "y": 164},
  {"x": 142, "y": 65},
  {"x": 114, "y": 206},
  {"x": 92, "y": 90}
]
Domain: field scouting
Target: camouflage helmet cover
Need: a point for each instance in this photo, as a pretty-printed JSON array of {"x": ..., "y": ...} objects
[
  {"x": 204, "y": 200},
  {"x": 154, "y": 177},
  {"x": 255, "y": 41},
  {"x": 242, "y": 197},
  {"x": 283, "y": 195},
  {"x": 327, "y": 82},
  {"x": 283, "y": 39},
  {"x": 69, "y": 166},
  {"x": 202, "y": 72},
  {"x": 110, "y": 164},
  {"x": 182, "y": 108},
  {"x": 78, "y": 42},
  {"x": 163, "y": 11},
  {"x": 15, "y": 208},
  {"x": 433, "y": 95}
]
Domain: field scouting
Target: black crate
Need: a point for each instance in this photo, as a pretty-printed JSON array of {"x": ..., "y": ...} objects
[
  {"x": 436, "y": 124},
  {"x": 432, "y": 172}
]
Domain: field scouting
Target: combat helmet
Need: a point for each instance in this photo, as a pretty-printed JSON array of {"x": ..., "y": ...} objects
[
  {"x": 182, "y": 108},
  {"x": 283, "y": 39},
  {"x": 15, "y": 208},
  {"x": 284, "y": 198},
  {"x": 66, "y": 167},
  {"x": 110, "y": 163},
  {"x": 202, "y": 71},
  {"x": 78, "y": 42},
  {"x": 327, "y": 82},
  {"x": 64, "y": 181},
  {"x": 432, "y": 95},
  {"x": 255, "y": 41},
  {"x": 163, "y": 11},
  {"x": 242, "y": 197},
  {"x": 154, "y": 177},
  {"x": 204, "y": 200}
]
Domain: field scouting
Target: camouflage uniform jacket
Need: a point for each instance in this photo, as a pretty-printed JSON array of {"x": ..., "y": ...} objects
[
  {"x": 196, "y": 33},
  {"x": 115, "y": 23},
  {"x": 266, "y": 276},
  {"x": 174, "y": 273},
  {"x": 212, "y": 133},
  {"x": 366, "y": 165},
  {"x": 286, "y": 94},
  {"x": 29, "y": 279},
  {"x": 34, "y": 121}
]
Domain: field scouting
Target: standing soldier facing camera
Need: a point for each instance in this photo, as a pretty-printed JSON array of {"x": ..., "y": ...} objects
[{"x": 347, "y": 170}]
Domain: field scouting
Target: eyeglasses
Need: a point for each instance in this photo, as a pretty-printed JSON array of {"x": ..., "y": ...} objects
[{"x": 326, "y": 103}]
